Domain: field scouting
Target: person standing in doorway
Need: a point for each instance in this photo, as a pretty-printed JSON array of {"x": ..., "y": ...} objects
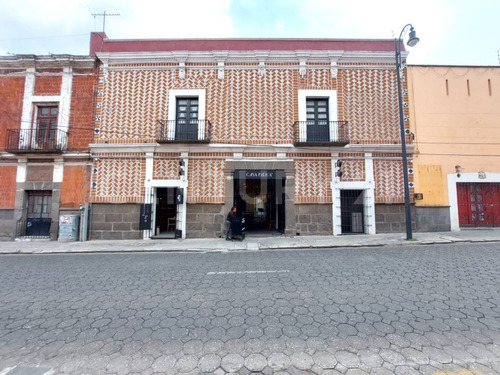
[{"x": 231, "y": 218}]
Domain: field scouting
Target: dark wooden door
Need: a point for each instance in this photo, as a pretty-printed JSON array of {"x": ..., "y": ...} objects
[
  {"x": 186, "y": 125},
  {"x": 317, "y": 120},
  {"x": 46, "y": 127}
]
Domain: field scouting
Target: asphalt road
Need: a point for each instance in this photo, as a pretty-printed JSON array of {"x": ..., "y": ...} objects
[{"x": 404, "y": 310}]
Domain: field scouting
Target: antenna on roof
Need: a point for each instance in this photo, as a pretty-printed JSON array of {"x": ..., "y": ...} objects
[
  {"x": 103, "y": 15},
  {"x": 498, "y": 54}
]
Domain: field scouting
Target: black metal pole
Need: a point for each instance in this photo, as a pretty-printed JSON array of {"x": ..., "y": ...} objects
[{"x": 403, "y": 142}]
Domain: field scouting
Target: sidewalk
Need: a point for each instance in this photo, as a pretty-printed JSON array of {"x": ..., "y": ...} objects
[{"x": 250, "y": 243}]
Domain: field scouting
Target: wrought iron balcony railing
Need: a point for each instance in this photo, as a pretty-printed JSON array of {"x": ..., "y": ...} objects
[
  {"x": 33, "y": 140},
  {"x": 183, "y": 131},
  {"x": 320, "y": 133}
]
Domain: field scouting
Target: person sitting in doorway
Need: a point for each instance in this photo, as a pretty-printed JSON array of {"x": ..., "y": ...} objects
[{"x": 231, "y": 218}]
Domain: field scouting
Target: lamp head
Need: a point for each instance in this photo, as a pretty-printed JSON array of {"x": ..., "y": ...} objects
[{"x": 412, "y": 39}]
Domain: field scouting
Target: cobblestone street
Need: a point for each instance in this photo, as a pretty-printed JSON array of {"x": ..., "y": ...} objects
[{"x": 405, "y": 310}]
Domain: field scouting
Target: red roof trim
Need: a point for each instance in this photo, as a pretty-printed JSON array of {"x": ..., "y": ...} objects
[{"x": 100, "y": 43}]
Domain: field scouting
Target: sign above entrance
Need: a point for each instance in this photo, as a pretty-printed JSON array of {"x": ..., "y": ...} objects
[{"x": 258, "y": 174}]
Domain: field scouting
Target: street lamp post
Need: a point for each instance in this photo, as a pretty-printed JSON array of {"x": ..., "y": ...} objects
[{"x": 412, "y": 41}]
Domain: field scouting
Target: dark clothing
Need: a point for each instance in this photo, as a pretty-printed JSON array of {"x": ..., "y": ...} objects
[{"x": 231, "y": 217}]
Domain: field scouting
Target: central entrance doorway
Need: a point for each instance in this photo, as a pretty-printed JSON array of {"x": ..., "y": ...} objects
[
  {"x": 259, "y": 195},
  {"x": 352, "y": 211},
  {"x": 166, "y": 213}
]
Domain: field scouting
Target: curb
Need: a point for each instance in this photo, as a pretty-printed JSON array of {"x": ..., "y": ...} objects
[{"x": 251, "y": 246}]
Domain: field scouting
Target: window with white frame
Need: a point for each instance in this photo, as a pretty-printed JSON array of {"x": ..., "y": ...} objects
[
  {"x": 186, "y": 115},
  {"x": 318, "y": 116}
]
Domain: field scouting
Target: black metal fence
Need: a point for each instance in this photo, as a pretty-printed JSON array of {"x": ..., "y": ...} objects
[
  {"x": 31, "y": 140},
  {"x": 34, "y": 228},
  {"x": 197, "y": 131}
]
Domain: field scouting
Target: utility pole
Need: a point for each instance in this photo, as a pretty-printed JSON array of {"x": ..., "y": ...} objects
[{"x": 104, "y": 14}]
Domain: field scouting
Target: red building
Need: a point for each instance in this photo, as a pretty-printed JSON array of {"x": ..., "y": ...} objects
[{"x": 47, "y": 120}]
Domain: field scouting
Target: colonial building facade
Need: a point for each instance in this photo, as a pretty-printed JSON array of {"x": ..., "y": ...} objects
[
  {"x": 302, "y": 136},
  {"x": 46, "y": 108},
  {"x": 456, "y": 125}
]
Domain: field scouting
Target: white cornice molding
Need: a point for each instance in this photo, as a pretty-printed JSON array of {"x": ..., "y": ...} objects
[
  {"x": 379, "y": 148},
  {"x": 47, "y": 62},
  {"x": 105, "y": 148},
  {"x": 341, "y": 58}
]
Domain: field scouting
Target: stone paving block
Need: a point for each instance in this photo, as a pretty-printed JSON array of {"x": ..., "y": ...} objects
[
  {"x": 255, "y": 362},
  {"x": 302, "y": 361},
  {"x": 347, "y": 359},
  {"x": 209, "y": 363},
  {"x": 278, "y": 361},
  {"x": 232, "y": 362},
  {"x": 163, "y": 363}
]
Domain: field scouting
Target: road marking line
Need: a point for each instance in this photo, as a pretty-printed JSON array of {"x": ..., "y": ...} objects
[{"x": 245, "y": 272}]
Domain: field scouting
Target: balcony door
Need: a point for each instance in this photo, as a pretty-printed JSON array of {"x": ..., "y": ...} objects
[
  {"x": 46, "y": 127},
  {"x": 186, "y": 124},
  {"x": 318, "y": 129}
]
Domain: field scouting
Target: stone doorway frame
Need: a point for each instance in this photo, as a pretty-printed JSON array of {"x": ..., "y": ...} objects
[{"x": 286, "y": 165}]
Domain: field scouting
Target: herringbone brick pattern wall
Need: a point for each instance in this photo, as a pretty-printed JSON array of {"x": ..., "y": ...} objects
[
  {"x": 119, "y": 180},
  {"x": 353, "y": 170},
  {"x": 388, "y": 181},
  {"x": 166, "y": 169},
  {"x": 312, "y": 181},
  {"x": 244, "y": 107},
  {"x": 319, "y": 79},
  {"x": 206, "y": 181},
  {"x": 369, "y": 102}
]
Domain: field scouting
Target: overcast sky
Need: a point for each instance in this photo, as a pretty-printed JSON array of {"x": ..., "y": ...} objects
[{"x": 451, "y": 32}]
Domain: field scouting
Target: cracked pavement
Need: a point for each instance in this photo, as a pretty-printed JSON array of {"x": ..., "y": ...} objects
[{"x": 406, "y": 310}]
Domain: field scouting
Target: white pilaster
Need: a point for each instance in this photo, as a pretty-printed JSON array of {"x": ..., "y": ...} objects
[
  {"x": 58, "y": 174},
  {"x": 29, "y": 90},
  {"x": 21, "y": 170}
]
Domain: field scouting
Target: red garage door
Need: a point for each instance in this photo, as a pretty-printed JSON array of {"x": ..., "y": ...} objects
[{"x": 479, "y": 204}]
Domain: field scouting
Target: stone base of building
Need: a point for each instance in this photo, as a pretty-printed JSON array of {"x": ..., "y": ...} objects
[
  {"x": 313, "y": 219},
  {"x": 6, "y": 225},
  {"x": 205, "y": 220},
  {"x": 111, "y": 221},
  {"x": 432, "y": 218},
  {"x": 390, "y": 218}
]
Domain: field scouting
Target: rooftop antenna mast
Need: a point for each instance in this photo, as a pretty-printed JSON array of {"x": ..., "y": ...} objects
[{"x": 104, "y": 14}]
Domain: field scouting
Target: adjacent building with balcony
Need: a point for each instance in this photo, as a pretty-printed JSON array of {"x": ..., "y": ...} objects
[
  {"x": 301, "y": 135},
  {"x": 455, "y": 120},
  {"x": 47, "y": 121}
]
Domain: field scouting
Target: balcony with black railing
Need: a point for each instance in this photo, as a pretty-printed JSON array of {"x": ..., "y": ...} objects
[
  {"x": 183, "y": 131},
  {"x": 33, "y": 140},
  {"x": 320, "y": 133}
]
